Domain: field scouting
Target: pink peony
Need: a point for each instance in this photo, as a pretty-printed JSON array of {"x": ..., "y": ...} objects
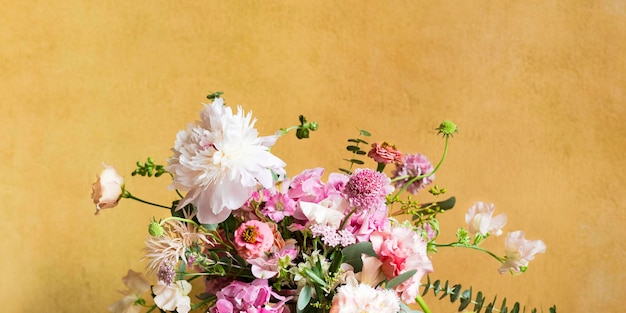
[
  {"x": 308, "y": 186},
  {"x": 253, "y": 239},
  {"x": 402, "y": 250},
  {"x": 385, "y": 153},
  {"x": 108, "y": 188},
  {"x": 520, "y": 251},
  {"x": 479, "y": 219}
]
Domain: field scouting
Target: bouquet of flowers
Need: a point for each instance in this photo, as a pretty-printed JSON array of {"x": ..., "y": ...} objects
[{"x": 257, "y": 240}]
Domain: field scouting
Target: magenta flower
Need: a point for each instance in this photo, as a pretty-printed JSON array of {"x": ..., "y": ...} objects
[
  {"x": 413, "y": 165},
  {"x": 308, "y": 186},
  {"x": 253, "y": 238},
  {"x": 278, "y": 206},
  {"x": 251, "y": 297},
  {"x": 520, "y": 251},
  {"x": 367, "y": 188}
]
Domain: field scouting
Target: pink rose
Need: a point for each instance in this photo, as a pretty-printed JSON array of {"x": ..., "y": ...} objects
[
  {"x": 520, "y": 251},
  {"x": 108, "y": 188},
  {"x": 253, "y": 238},
  {"x": 479, "y": 219}
]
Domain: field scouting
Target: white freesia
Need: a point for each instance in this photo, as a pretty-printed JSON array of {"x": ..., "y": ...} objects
[
  {"x": 137, "y": 285},
  {"x": 173, "y": 297},
  {"x": 220, "y": 161},
  {"x": 480, "y": 219}
]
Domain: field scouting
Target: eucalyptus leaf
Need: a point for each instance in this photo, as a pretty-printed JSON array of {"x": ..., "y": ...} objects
[
  {"x": 353, "y": 254},
  {"x": 400, "y": 279},
  {"x": 304, "y": 298}
]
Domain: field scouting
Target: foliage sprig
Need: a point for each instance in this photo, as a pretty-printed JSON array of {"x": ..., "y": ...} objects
[{"x": 466, "y": 298}]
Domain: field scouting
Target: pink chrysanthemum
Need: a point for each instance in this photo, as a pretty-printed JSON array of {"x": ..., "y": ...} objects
[
  {"x": 367, "y": 188},
  {"x": 413, "y": 165}
]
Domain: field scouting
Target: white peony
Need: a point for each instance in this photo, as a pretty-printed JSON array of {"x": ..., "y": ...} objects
[{"x": 220, "y": 161}]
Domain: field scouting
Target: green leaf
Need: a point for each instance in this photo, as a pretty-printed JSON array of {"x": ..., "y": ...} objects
[
  {"x": 304, "y": 298},
  {"x": 365, "y": 133},
  {"x": 353, "y": 254},
  {"x": 400, "y": 279},
  {"x": 356, "y": 161},
  {"x": 345, "y": 171},
  {"x": 353, "y": 148},
  {"x": 361, "y": 152},
  {"x": 314, "y": 277}
]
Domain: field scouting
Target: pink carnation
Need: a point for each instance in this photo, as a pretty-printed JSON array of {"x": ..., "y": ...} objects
[
  {"x": 414, "y": 165},
  {"x": 253, "y": 238},
  {"x": 402, "y": 250}
]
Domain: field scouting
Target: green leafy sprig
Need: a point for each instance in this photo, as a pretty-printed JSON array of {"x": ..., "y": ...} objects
[
  {"x": 353, "y": 146},
  {"x": 466, "y": 298}
]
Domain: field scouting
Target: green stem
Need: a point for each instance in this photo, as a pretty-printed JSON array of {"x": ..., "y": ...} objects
[
  {"x": 422, "y": 304},
  {"x": 416, "y": 178},
  {"x": 461, "y": 245},
  {"x": 128, "y": 195}
]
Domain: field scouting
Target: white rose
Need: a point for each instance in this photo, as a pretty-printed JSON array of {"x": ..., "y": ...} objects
[{"x": 108, "y": 188}]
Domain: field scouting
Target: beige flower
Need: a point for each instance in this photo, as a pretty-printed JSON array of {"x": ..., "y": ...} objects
[
  {"x": 137, "y": 285},
  {"x": 108, "y": 188}
]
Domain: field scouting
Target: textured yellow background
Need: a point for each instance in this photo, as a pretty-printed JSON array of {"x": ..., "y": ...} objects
[{"x": 538, "y": 89}]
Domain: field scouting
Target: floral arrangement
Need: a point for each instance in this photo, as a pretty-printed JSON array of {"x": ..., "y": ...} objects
[{"x": 257, "y": 240}]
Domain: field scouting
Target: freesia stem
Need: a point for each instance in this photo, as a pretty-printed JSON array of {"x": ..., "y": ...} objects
[
  {"x": 127, "y": 194},
  {"x": 422, "y": 304},
  {"x": 416, "y": 178},
  {"x": 457, "y": 244}
]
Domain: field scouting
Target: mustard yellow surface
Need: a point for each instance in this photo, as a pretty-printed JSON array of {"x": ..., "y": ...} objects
[{"x": 538, "y": 89}]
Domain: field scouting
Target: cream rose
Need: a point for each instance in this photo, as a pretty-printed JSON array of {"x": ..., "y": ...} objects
[{"x": 108, "y": 188}]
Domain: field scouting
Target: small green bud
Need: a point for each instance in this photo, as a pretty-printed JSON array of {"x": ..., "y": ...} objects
[
  {"x": 155, "y": 229},
  {"x": 447, "y": 128}
]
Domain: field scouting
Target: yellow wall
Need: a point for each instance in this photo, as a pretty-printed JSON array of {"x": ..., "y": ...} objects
[{"x": 538, "y": 89}]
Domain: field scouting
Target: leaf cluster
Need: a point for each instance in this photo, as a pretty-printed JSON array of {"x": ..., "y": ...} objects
[
  {"x": 355, "y": 149},
  {"x": 466, "y": 298},
  {"x": 149, "y": 169}
]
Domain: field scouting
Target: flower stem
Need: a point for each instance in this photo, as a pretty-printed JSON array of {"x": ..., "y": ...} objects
[
  {"x": 416, "y": 178},
  {"x": 422, "y": 304},
  {"x": 128, "y": 195},
  {"x": 474, "y": 247}
]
